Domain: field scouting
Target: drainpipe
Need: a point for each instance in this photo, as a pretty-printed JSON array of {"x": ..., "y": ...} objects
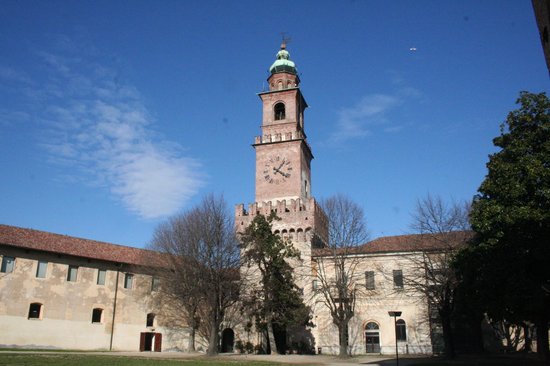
[{"x": 114, "y": 308}]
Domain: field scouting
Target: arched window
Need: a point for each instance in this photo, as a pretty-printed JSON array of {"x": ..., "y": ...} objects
[
  {"x": 97, "y": 315},
  {"x": 300, "y": 234},
  {"x": 401, "y": 330},
  {"x": 150, "y": 320},
  {"x": 371, "y": 326},
  {"x": 279, "y": 111},
  {"x": 372, "y": 337},
  {"x": 35, "y": 311},
  {"x": 308, "y": 233}
]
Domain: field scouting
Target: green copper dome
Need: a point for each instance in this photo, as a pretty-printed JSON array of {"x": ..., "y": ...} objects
[{"x": 283, "y": 63}]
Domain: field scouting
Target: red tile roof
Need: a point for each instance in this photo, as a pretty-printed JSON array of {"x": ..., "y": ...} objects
[
  {"x": 68, "y": 245},
  {"x": 408, "y": 243},
  {"x": 85, "y": 248}
]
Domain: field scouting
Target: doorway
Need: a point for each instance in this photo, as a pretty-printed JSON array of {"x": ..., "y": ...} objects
[
  {"x": 372, "y": 338},
  {"x": 150, "y": 341},
  {"x": 228, "y": 340}
]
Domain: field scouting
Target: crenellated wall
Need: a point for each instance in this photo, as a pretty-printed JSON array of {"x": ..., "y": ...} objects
[
  {"x": 301, "y": 220},
  {"x": 277, "y": 136}
]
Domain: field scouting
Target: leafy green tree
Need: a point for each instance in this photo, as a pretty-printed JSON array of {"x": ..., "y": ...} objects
[
  {"x": 277, "y": 303},
  {"x": 511, "y": 216}
]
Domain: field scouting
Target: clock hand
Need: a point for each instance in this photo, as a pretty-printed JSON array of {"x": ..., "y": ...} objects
[{"x": 280, "y": 172}]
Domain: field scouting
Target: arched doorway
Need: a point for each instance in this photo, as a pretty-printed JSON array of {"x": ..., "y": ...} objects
[
  {"x": 228, "y": 340},
  {"x": 372, "y": 337}
]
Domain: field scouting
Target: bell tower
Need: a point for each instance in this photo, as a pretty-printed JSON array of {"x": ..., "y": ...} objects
[
  {"x": 283, "y": 156},
  {"x": 283, "y": 163}
]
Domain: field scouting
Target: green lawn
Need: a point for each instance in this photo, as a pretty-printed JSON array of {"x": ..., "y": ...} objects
[{"x": 96, "y": 360}]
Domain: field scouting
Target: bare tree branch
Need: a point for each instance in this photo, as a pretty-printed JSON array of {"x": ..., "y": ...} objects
[
  {"x": 335, "y": 266},
  {"x": 204, "y": 264},
  {"x": 443, "y": 229}
]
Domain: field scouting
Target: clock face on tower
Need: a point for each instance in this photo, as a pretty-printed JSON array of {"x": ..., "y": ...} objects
[{"x": 277, "y": 169}]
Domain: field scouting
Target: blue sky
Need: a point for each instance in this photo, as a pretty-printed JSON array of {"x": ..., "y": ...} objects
[{"x": 115, "y": 115}]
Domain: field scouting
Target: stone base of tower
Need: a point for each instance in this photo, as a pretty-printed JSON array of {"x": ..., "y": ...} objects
[{"x": 304, "y": 224}]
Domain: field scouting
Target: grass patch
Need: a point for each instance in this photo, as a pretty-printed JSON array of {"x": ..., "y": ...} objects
[
  {"x": 65, "y": 359},
  {"x": 45, "y": 350}
]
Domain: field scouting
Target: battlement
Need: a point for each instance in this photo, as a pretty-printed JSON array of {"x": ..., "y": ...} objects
[
  {"x": 279, "y": 207},
  {"x": 295, "y": 214},
  {"x": 278, "y": 137}
]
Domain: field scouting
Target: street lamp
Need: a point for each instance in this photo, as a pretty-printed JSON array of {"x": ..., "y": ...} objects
[{"x": 395, "y": 314}]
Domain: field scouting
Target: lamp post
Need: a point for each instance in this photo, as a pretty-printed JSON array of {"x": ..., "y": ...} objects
[{"x": 395, "y": 314}]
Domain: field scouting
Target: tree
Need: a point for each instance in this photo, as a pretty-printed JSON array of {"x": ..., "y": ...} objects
[
  {"x": 336, "y": 267},
  {"x": 277, "y": 303},
  {"x": 511, "y": 216},
  {"x": 204, "y": 262},
  {"x": 443, "y": 229}
]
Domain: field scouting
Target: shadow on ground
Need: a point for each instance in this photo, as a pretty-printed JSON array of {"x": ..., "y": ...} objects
[{"x": 475, "y": 360}]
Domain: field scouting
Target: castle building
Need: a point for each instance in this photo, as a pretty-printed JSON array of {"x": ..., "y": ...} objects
[
  {"x": 58, "y": 291},
  {"x": 63, "y": 292},
  {"x": 284, "y": 187}
]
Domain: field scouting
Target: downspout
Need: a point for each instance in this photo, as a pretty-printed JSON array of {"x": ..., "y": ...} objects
[{"x": 114, "y": 309}]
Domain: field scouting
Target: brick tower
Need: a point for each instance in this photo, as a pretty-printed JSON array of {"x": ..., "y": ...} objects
[{"x": 283, "y": 165}]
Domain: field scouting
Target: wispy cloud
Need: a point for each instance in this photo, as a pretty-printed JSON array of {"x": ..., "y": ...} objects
[
  {"x": 100, "y": 130},
  {"x": 376, "y": 113},
  {"x": 10, "y": 74},
  {"x": 356, "y": 121}
]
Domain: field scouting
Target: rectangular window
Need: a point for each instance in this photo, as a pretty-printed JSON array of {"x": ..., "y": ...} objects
[
  {"x": 41, "y": 269},
  {"x": 7, "y": 264},
  {"x": 155, "y": 283},
  {"x": 72, "y": 274},
  {"x": 315, "y": 285},
  {"x": 398, "y": 278},
  {"x": 101, "y": 273},
  {"x": 97, "y": 315},
  {"x": 369, "y": 280},
  {"x": 128, "y": 280},
  {"x": 150, "y": 320},
  {"x": 35, "y": 311}
]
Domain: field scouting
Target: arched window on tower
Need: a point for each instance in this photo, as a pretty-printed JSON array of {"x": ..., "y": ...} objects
[{"x": 279, "y": 111}]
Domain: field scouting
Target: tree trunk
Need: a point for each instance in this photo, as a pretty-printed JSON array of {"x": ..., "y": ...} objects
[
  {"x": 191, "y": 344},
  {"x": 542, "y": 337},
  {"x": 527, "y": 346},
  {"x": 477, "y": 333},
  {"x": 194, "y": 322},
  {"x": 214, "y": 338},
  {"x": 342, "y": 335},
  {"x": 271, "y": 337},
  {"x": 448, "y": 338}
]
